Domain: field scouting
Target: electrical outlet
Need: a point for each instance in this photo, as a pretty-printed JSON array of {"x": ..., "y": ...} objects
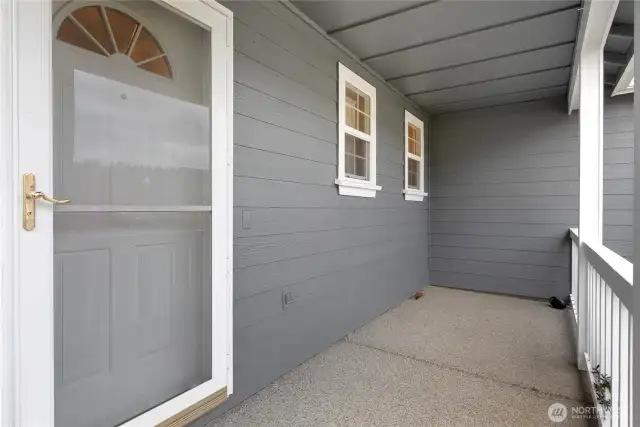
[
  {"x": 287, "y": 299},
  {"x": 246, "y": 220}
]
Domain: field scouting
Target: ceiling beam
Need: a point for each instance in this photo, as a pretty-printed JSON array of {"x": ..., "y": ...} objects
[
  {"x": 609, "y": 80},
  {"x": 479, "y": 61},
  {"x": 622, "y": 30},
  {"x": 617, "y": 59},
  {"x": 499, "y": 95},
  {"x": 496, "y": 79},
  {"x": 472, "y": 32},
  {"x": 380, "y": 17},
  {"x": 624, "y": 76},
  {"x": 595, "y": 22}
]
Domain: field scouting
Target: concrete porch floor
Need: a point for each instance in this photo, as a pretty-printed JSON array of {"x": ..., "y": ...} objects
[{"x": 452, "y": 358}]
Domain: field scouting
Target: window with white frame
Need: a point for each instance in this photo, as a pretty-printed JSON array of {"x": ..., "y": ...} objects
[
  {"x": 356, "y": 135},
  {"x": 414, "y": 158}
]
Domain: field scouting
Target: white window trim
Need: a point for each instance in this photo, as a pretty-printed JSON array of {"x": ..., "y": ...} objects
[
  {"x": 412, "y": 194},
  {"x": 351, "y": 186}
]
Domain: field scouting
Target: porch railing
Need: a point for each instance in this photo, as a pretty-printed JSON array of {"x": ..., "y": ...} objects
[{"x": 609, "y": 323}]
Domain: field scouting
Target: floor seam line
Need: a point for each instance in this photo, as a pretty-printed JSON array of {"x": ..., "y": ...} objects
[{"x": 474, "y": 374}]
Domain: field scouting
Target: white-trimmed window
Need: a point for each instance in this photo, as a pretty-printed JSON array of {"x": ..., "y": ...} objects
[
  {"x": 414, "y": 158},
  {"x": 356, "y": 135}
]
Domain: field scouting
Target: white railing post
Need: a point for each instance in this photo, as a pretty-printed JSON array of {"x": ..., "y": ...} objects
[
  {"x": 635, "y": 360},
  {"x": 590, "y": 222}
]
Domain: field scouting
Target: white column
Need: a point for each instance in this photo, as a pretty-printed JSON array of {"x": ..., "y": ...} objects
[
  {"x": 590, "y": 221},
  {"x": 635, "y": 361}
]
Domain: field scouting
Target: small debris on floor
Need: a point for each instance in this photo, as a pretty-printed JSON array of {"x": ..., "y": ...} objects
[
  {"x": 418, "y": 295},
  {"x": 556, "y": 302}
]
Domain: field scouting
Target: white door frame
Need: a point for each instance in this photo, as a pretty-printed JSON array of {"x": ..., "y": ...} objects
[{"x": 26, "y": 257}]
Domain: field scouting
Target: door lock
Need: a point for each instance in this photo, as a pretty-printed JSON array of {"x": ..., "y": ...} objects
[{"x": 29, "y": 197}]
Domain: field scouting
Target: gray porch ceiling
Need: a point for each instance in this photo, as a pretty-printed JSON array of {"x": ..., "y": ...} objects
[
  {"x": 452, "y": 55},
  {"x": 618, "y": 50}
]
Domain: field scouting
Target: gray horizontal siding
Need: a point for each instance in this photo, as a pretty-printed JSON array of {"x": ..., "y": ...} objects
[
  {"x": 618, "y": 175},
  {"x": 344, "y": 259},
  {"x": 505, "y": 188}
]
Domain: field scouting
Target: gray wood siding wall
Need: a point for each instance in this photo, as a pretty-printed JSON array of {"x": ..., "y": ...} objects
[
  {"x": 504, "y": 193},
  {"x": 344, "y": 259},
  {"x": 618, "y": 175},
  {"x": 505, "y": 189}
]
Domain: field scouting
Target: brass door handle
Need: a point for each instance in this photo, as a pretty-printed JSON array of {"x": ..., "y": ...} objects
[
  {"x": 29, "y": 197},
  {"x": 35, "y": 195}
]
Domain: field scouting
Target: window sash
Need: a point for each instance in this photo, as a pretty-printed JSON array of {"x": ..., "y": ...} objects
[
  {"x": 414, "y": 141},
  {"x": 417, "y": 173},
  {"x": 352, "y": 156},
  {"x": 356, "y": 98}
]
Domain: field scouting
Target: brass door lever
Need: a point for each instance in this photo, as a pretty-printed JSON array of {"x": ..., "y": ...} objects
[
  {"x": 35, "y": 195},
  {"x": 29, "y": 197}
]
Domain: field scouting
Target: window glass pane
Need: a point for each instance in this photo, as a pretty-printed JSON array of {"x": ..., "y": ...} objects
[
  {"x": 70, "y": 33},
  {"x": 91, "y": 19},
  {"x": 356, "y": 157},
  {"x": 361, "y": 147},
  {"x": 158, "y": 66},
  {"x": 364, "y": 103},
  {"x": 361, "y": 167},
  {"x": 413, "y": 173},
  {"x": 350, "y": 143},
  {"x": 417, "y": 150},
  {"x": 412, "y": 131},
  {"x": 364, "y": 123},
  {"x": 352, "y": 95},
  {"x": 350, "y": 164},
  {"x": 357, "y": 109},
  {"x": 414, "y": 147},
  {"x": 414, "y": 139},
  {"x": 123, "y": 27},
  {"x": 146, "y": 47},
  {"x": 351, "y": 116},
  {"x": 414, "y": 144}
]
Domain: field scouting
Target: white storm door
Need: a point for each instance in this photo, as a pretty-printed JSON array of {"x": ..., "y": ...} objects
[{"x": 122, "y": 299}]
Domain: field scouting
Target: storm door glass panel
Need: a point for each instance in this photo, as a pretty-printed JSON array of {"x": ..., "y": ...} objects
[{"x": 132, "y": 150}]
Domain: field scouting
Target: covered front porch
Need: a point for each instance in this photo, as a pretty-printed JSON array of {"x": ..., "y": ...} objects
[{"x": 451, "y": 358}]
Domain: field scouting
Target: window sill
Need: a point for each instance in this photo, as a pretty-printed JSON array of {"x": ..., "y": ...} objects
[
  {"x": 414, "y": 195},
  {"x": 356, "y": 188}
]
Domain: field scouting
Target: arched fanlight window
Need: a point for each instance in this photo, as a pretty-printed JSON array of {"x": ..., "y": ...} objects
[{"x": 107, "y": 31}]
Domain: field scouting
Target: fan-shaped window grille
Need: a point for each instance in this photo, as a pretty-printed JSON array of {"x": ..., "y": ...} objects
[{"x": 108, "y": 31}]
